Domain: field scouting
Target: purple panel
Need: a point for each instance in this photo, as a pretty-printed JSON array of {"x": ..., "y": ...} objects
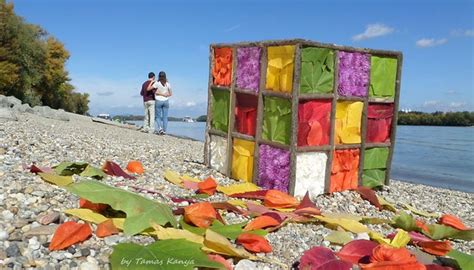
[
  {"x": 274, "y": 168},
  {"x": 354, "y": 71},
  {"x": 248, "y": 68}
]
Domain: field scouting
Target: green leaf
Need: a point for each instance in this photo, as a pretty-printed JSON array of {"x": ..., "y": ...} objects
[
  {"x": 383, "y": 72},
  {"x": 373, "y": 178},
  {"x": 438, "y": 231},
  {"x": 191, "y": 228},
  {"x": 406, "y": 222},
  {"x": 164, "y": 254},
  {"x": 58, "y": 180},
  {"x": 317, "y": 70},
  {"x": 376, "y": 158},
  {"x": 464, "y": 261},
  {"x": 220, "y": 109},
  {"x": 386, "y": 204},
  {"x": 373, "y": 220},
  {"x": 70, "y": 168},
  {"x": 339, "y": 238},
  {"x": 141, "y": 212},
  {"x": 420, "y": 212},
  {"x": 93, "y": 172},
  {"x": 277, "y": 120}
]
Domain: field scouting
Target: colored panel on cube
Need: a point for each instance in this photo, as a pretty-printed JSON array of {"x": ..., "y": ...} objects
[
  {"x": 310, "y": 173},
  {"x": 379, "y": 123},
  {"x": 348, "y": 122},
  {"x": 220, "y": 109},
  {"x": 274, "y": 168},
  {"x": 317, "y": 70},
  {"x": 344, "y": 171},
  {"x": 248, "y": 68},
  {"x": 314, "y": 122},
  {"x": 242, "y": 160},
  {"x": 277, "y": 120},
  {"x": 218, "y": 153},
  {"x": 353, "y": 74},
  {"x": 222, "y": 69},
  {"x": 280, "y": 68},
  {"x": 383, "y": 75},
  {"x": 375, "y": 164},
  {"x": 246, "y": 114}
]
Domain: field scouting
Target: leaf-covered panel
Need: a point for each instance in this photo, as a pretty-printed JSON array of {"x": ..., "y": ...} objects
[
  {"x": 317, "y": 70},
  {"x": 277, "y": 120},
  {"x": 220, "y": 109},
  {"x": 383, "y": 74}
]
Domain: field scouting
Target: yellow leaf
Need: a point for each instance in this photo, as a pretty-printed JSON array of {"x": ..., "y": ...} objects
[
  {"x": 238, "y": 188},
  {"x": 379, "y": 238},
  {"x": 237, "y": 202},
  {"x": 420, "y": 212},
  {"x": 172, "y": 233},
  {"x": 347, "y": 224},
  {"x": 402, "y": 238},
  {"x": 56, "y": 179},
  {"x": 191, "y": 179},
  {"x": 284, "y": 209},
  {"x": 216, "y": 243},
  {"x": 343, "y": 216},
  {"x": 385, "y": 204},
  {"x": 340, "y": 238},
  {"x": 173, "y": 177},
  {"x": 91, "y": 216}
]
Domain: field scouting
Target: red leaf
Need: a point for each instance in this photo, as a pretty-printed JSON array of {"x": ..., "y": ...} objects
[
  {"x": 68, "y": 234},
  {"x": 308, "y": 211},
  {"x": 369, "y": 195},
  {"x": 439, "y": 248},
  {"x": 261, "y": 222},
  {"x": 315, "y": 257},
  {"x": 415, "y": 237},
  {"x": 357, "y": 250},
  {"x": 220, "y": 259},
  {"x": 259, "y": 195},
  {"x": 178, "y": 200},
  {"x": 35, "y": 169},
  {"x": 178, "y": 211},
  {"x": 437, "y": 267},
  {"x": 207, "y": 186},
  {"x": 256, "y": 209},
  {"x": 422, "y": 225},
  {"x": 190, "y": 185},
  {"x": 135, "y": 166},
  {"x": 200, "y": 214},
  {"x": 386, "y": 257},
  {"x": 306, "y": 202},
  {"x": 96, "y": 207},
  {"x": 229, "y": 207},
  {"x": 276, "y": 215},
  {"x": 106, "y": 228},
  {"x": 452, "y": 221},
  {"x": 112, "y": 168},
  {"x": 279, "y": 199},
  {"x": 254, "y": 243},
  {"x": 335, "y": 265}
]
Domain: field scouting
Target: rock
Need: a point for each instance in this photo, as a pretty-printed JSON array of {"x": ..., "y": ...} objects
[
  {"x": 47, "y": 112},
  {"x": 85, "y": 252},
  {"x": 112, "y": 240},
  {"x": 33, "y": 243},
  {"x": 89, "y": 266},
  {"x": 7, "y": 115},
  {"x": 3, "y": 235},
  {"x": 7, "y": 215},
  {"x": 71, "y": 250},
  {"x": 24, "y": 108},
  {"x": 41, "y": 230},
  {"x": 13, "y": 250},
  {"x": 245, "y": 265},
  {"x": 58, "y": 255},
  {"x": 47, "y": 218},
  {"x": 9, "y": 102}
]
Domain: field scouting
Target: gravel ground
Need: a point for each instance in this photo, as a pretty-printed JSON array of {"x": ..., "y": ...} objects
[{"x": 28, "y": 204}]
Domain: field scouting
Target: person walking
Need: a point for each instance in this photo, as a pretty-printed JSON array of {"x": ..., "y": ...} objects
[
  {"x": 148, "y": 94},
  {"x": 162, "y": 94}
]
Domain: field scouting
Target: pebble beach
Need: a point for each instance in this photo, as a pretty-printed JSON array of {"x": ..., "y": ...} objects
[{"x": 31, "y": 209}]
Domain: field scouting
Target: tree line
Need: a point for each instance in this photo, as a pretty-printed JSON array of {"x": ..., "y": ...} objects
[
  {"x": 436, "y": 118},
  {"x": 32, "y": 65}
]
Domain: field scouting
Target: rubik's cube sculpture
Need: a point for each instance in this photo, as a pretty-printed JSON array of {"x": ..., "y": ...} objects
[{"x": 297, "y": 115}]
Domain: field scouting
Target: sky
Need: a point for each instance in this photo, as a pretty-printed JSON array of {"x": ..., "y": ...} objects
[{"x": 115, "y": 43}]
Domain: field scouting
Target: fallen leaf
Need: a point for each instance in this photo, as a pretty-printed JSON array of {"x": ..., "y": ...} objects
[
  {"x": 218, "y": 258},
  {"x": 68, "y": 234},
  {"x": 191, "y": 185},
  {"x": 96, "y": 207},
  {"x": 189, "y": 178},
  {"x": 439, "y": 248},
  {"x": 369, "y": 195},
  {"x": 316, "y": 257},
  {"x": 276, "y": 198},
  {"x": 200, "y": 214},
  {"x": 70, "y": 168},
  {"x": 140, "y": 210},
  {"x": 237, "y": 202},
  {"x": 207, "y": 186},
  {"x": 106, "y": 228},
  {"x": 229, "y": 207},
  {"x": 338, "y": 238},
  {"x": 93, "y": 172},
  {"x": 170, "y": 254},
  {"x": 420, "y": 212},
  {"x": 342, "y": 216},
  {"x": 58, "y": 180},
  {"x": 464, "y": 261},
  {"x": 386, "y": 257},
  {"x": 258, "y": 195},
  {"x": 437, "y": 267},
  {"x": 172, "y": 233},
  {"x": 112, "y": 168},
  {"x": 306, "y": 202},
  {"x": 406, "y": 222},
  {"x": 386, "y": 204},
  {"x": 36, "y": 169},
  {"x": 438, "y": 232},
  {"x": 346, "y": 224},
  {"x": 308, "y": 211},
  {"x": 90, "y": 216},
  {"x": 370, "y": 220},
  {"x": 238, "y": 188},
  {"x": 422, "y": 225},
  {"x": 173, "y": 177},
  {"x": 335, "y": 265},
  {"x": 401, "y": 239},
  {"x": 452, "y": 221},
  {"x": 254, "y": 243},
  {"x": 357, "y": 251},
  {"x": 261, "y": 222},
  {"x": 275, "y": 215},
  {"x": 216, "y": 243},
  {"x": 135, "y": 166},
  {"x": 415, "y": 237}
]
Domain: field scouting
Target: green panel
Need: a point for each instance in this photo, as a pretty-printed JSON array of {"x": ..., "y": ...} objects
[
  {"x": 383, "y": 73},
  {"x": 376, "y": 158},
  {"x": 373, "y": 178},
  {"x": 220, "y": 109},
  {"x": 277, "y": 120},
  {"x": 317, "y": 70}
]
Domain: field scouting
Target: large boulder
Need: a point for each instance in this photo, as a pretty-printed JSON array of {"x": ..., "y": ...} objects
[
  {"x": 47, "y": 112},
  {"x": 9, "y": 102},
  {"x": 7, "y": 114},
  {"x": 24, "y": 108}
]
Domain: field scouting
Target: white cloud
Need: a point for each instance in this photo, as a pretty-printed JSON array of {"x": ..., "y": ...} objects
[
  {"x": 430, "y": 42},
  {"x": 463, "y": 33},
  {"x": 232, "y": 28},
  {"x": 456, "y": 105},
  {"x": 190, "y": 104},
  {"x": 372, "y": 31},
  {"x": 431, "y": 103},
  {"x": 445, "y": 106}
]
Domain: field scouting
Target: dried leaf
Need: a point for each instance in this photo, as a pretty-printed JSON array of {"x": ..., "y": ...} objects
[
  {"x": 306, "y": 202},
  {"x": 338, "y": 238},
  {"x": 346, "y": 224},
  {"x": 308, "y": 211},
  {"x": 238, "y": 188},
  {"x": 106, "y": 228},
  {"x": 276, "y": 198},
  {"x": 316, "y": 257},
  {"x": 357, "y": 251},
  {"x": 386, "y": 204},
  {"x": 254, "y": 243},
  {"x": 386, "y": 257},
  {"x": 259, "y": 195},
  {"x": 237, "y": 202},
  {"x": 216, "y": 243},
  {"x": 58, "y": 180},
  {"x": 36, "y": 169},
  {"x": 343, "y": 216},
  {"x": 191, "y": 185},
  {"x": 200, "y": 214},
  {"x": 172, "y": 233},
  {"x": 452, "y": 221},
  {"x": 369, "y": 195},
  {"x": 229, "y": 207},
  {"x": 437, "y": 267},
  {"x": 370, "y": 220},
  {"x": 336, "y": 265},
  {"x": 261, "y": 222},
  {"x": 419, "y": 212},
  {"x": 112, "y": 168},
  {"x": 401, "y": 239},
  {"x": 207, "y": 186},
  {"x": 173, "y": 177},
  {"x": 135, "y": 166},
  {"x": 220, "y": 259},
  {"x": 90, "y": 216},
  {"x": 96, "y": 207},
  {"x": 439, "y": 248},
  {"x": 68, "y": 234}
]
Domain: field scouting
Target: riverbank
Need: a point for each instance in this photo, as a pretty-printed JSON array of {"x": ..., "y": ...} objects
[{"x": 24, "y": 197}]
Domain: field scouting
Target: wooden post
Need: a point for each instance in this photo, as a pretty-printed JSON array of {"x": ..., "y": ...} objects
[
  {"x": 207, "y": 158},
  {"x": 230, "y": 127}
]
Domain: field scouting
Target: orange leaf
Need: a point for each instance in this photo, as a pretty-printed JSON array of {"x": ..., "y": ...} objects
[
  {"x": 207, "y": 186},
  {"x": 96, "y": 207},
  {"x": 106, "y": 228},
  {"x": 278, "y": 199},
  {"x": 135, "y": 166},
  {"x": 452, "y": 221},
  {"x": 385, "y": 257},
  {"x": 200, "y": 214},
  {"x": 420, "y": 224},
  {"x": 220, "y": 259},
  {"x": 439, "y": 248},
  {"x": 68, "y": 234},
  {"x": 261, "y": 222},
  {"x": 254, "y": 243}
]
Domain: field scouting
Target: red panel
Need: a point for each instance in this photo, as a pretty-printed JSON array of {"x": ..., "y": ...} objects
[{"x": 314, "y": 122}]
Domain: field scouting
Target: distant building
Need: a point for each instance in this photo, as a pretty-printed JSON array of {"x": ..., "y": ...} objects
[
  {"x": 104, "y": 116},
  {"x": 188, "y": 119}
]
